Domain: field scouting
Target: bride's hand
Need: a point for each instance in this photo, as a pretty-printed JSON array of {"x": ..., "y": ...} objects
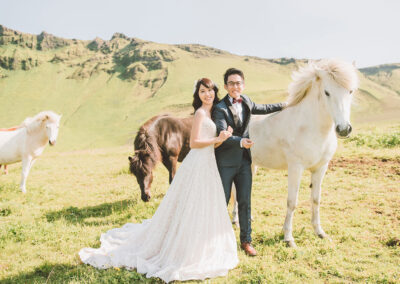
[{"x": 223, "y": 135}]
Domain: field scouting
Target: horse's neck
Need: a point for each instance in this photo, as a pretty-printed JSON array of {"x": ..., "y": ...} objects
[
  {"x": 315, "y": 112},
  {"x": 37, "y": 138}
]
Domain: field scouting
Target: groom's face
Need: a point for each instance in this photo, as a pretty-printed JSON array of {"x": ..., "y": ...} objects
[{"x": 234, "y": 85}]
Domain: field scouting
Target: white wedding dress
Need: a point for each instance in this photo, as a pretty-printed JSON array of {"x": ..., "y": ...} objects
[{"x": 190, "y": 236}]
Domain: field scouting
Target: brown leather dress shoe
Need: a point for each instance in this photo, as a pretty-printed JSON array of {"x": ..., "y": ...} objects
[{"x": 248, "y": 248}]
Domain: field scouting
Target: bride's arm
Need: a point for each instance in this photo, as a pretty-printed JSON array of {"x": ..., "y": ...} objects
[
  {"x": 216, "y": 145},
  {"x": 230, "y": 130},
  {"x": 200, "y": 142}
]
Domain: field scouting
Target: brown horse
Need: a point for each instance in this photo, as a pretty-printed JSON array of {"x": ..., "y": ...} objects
[{"x": 162, "y": 138}]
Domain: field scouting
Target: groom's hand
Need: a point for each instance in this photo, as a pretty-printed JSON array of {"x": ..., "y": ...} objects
[{"x": 247, "y": 143}]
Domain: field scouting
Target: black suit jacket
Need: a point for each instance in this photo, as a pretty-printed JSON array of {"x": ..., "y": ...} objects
[{"x": 229, "y": 153}]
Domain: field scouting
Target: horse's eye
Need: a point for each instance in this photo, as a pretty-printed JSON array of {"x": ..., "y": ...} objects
[
  {"x": 327, "y": 93},
  {"x": 351, "y": 91}
]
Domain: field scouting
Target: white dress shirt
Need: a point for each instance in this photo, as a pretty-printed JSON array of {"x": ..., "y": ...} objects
[{"x": 239, "y": 109}]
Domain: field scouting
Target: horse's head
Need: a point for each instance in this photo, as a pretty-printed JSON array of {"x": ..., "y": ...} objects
[
  {"x": 141, "y": 165},
  {"x": 339, "y": 81},
  {"x": 51, "y": 122}
]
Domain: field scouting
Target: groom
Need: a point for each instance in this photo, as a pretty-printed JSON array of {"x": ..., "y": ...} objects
[{"x": 233, "y": 156}]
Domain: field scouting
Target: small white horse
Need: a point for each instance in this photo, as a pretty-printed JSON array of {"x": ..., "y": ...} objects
[
  {"x": 28, "y": 141},
  {"x": 303, "y": 136}
]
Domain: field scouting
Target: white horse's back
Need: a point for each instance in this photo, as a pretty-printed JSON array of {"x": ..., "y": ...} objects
[{"x": 10, "y": 146}]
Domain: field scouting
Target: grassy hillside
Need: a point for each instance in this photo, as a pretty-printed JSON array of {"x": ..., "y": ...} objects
[
  {"x": 387, "y": 75},
  {"x": 106, "y": 89}
]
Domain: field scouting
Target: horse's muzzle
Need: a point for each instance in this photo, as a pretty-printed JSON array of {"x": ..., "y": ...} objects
[
  {"x": 343, "y": 131},
  {"x": 145, "y": 197}
]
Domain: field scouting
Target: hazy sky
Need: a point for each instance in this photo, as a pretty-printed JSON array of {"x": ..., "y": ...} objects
[{"x": 366, "y": 31}]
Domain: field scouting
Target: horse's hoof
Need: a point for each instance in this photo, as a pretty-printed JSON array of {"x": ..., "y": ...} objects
[
  {"x": 328, "y": 238},
  {"x": 146, "y": 198},
  {"x": 323, "y": 235},
  {"x": 291, "y": 244}
]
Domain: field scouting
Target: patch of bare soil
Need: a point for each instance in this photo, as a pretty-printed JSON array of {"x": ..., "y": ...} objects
[{"x": 387, "y": 166}]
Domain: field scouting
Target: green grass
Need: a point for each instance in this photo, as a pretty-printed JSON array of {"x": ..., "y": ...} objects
[
  {"x": 74, "y": 196},
  {"x": 377, "y": 138}
]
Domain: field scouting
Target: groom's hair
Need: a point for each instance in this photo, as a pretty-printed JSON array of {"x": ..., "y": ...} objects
[{"x": 232, "y": 71}]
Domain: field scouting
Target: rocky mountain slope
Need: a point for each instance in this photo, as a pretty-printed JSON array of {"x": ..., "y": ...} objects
[{"x": 106, "y": 88}]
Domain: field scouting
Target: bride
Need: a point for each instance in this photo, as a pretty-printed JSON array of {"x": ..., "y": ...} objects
[{"x": 190, "y": 235}]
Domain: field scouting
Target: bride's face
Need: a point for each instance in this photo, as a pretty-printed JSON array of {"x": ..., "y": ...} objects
[{"x": 206, "y": 95}]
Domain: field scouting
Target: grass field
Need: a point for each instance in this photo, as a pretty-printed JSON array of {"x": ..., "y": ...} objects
[{"x": 72, "y": 197}]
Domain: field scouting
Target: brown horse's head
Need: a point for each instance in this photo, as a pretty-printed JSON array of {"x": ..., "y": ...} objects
[{"x": 141, "y": 166}]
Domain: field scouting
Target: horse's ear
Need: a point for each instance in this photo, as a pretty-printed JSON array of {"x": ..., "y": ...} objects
[{"x": 318, "y": 73}]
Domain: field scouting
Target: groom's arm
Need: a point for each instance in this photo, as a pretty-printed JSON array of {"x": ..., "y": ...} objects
[
  {"x": 266, "y": 108},
  {"x": 220, "y": 122}
]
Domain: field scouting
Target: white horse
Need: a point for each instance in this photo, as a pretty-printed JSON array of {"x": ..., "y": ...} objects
[
  {"x": 27, "y": 141},
  {"x": 303, "y": 136}
]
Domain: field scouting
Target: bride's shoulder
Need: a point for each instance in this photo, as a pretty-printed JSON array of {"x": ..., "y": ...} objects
[{"x": 200, "y": 113}]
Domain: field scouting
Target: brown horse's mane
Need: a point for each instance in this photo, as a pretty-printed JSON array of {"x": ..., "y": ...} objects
[{"x": 146, "y": 147}]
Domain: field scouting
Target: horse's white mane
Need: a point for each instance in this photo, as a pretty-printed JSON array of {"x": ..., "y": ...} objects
[
  {"x": 341, "y": 72},
  {"x": 32, "y": 123}
]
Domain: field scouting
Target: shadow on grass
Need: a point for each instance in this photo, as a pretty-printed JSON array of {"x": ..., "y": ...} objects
[
  {"x": 66, "y": 273},
  {"x": 76, "y": 215}
]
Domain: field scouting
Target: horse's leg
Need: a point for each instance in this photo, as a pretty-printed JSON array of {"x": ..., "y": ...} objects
[
  {"x": 235, "y": 216},
  {"x": 316, "y": 180},
  {"x": 294, "y": 176},
  {"x": 173, "y": 161},
  {"x": 6, "y": 169},
  {"x": 254, "y": 169},
  {"x": 26, "y": 166},
  {"x": 170, "y": 163}
]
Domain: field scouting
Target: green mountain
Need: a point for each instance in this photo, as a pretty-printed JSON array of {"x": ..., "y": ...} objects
[{"x": 105, "y": 89}]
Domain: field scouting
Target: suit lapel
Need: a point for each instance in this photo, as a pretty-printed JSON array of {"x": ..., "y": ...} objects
[
  {"x": 248, "y": 113},
  {"x": 233, "y": 111}
]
